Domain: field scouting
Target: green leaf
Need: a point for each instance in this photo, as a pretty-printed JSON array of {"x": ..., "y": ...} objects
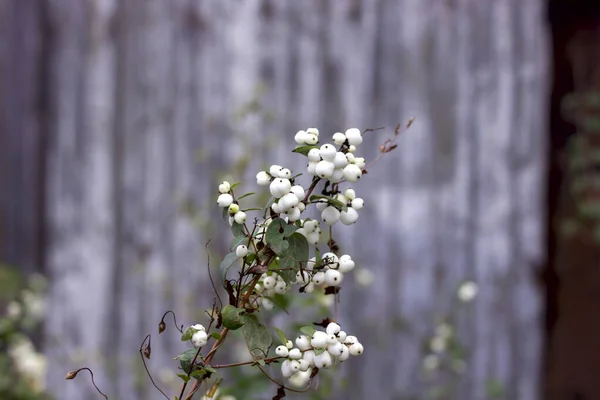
[
  {"x": 234, "y": 185},
  {"x": 184, "y": 377},
  {"x": 258, "y": 337},
  {"x": 237, "y": 229},
  {"x": 304, "y": 149},
  {"x": 238, "y": 240},
  {"x": 227, "y": 262},
  {"x": 232, "y": 317},
  {"x": 308, "y": 330},
  {"x": 185, "y": 358},
  {"x": 215, "y": 335},
  {"x": 187, "y": 335},
  {"x": 286, "y": 268},
  {"x": 246, "y": 195},
  {"x": 280, "y": 335},
  {"x": 267, "y": 207},
  {"x": 332, "y": 202}
]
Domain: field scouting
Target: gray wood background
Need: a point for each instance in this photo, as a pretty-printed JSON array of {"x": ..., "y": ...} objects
[{"x": 133, "y": 107}]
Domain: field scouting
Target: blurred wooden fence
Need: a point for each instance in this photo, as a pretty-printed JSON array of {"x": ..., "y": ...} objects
[{"x": 113, "y": 113}]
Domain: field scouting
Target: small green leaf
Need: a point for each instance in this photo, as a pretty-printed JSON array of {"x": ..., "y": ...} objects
[
  {"x": 261, "y": 363},
  {"x": 246, "y": 195},
  {"x": 232, "y": 317},
  {"x": 304, "y": 149},
  {"x": 215, "y": 335},
  {"x": 308, "y": 330},
  {"x": 332, "y": 202},
  {"x": 258, "y": 337},
  {"x": 234, "y": 185},
  {"x": 237, "y": 229},
  {"x": 280, "y": 335},
  {"x": 236, "y": 241},
  {"x": 187, "y": 335},
  {"x": 226, "y": 264},
  {"x": 185, "y": 358},
  {"x": 184, "y": 377},
  {"x": 210, "y": 369}
]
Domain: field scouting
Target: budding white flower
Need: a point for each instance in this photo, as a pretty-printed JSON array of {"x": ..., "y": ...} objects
[
  {"x": 352, "y": 173},
  {"x": 330, "y": 215},
  {"x": 224, "y": 187},
  {"x": 340, "y": 160},
  {"x": 267, "y": 304},
  {"x": 328, "y": 152},
  {"x": 324, "y": 169},
  {"x": 282, "y": 351},
  {"x": 339, "y": 138},
  {"x": 298, "y": 191},
  {"x": 300, "y": 137},
  {"x": 241, "y": 251},
  {"x": 319, "y": 340},
  {"x": 357, "y": 203},
  {"x": 314, "y": 155},
  {"x": 319, "y": 278},
  {"x": 240, "y": 217},
  {"x": 323, "y": 360},
  {"x": 199, "y": 339},
  {"x": 285, "y": 173},
  {"x": 346, "y": 263},
  {"x": 274, "y": 170},
  {"x": 224, "y": 200},
  {"x": 349, "y": 216},
  {"x": 280, "y": 187},
  {"x": 356, "y": 349},
  {"x": 295, "y": 354},
  {"x": 303, "y": 342},
  {"x": 333, "y": 328},
  {"x": 311, "y": 139},
  {"x": 263, "y": 178}
]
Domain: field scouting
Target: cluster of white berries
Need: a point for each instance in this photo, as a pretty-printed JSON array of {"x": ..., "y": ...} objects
[
  {"x": 330, "y": 272},
  {"x": 270, "y": 284},
  {"x": 330, "y": 215},
  {"x": 225, "y": 200},
  {"x": 332, "y": 164},
  {"x": 288, "y": 199},
  {"x": 200, "y": 337},
  {"x": 322, "y": 350}
]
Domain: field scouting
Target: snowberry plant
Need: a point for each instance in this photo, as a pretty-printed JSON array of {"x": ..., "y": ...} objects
[{"x": 285, "y": 248}]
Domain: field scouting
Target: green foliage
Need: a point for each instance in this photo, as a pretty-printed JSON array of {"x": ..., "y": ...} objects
[
  {"x": 233, "y": 317},
  {"x": 258, "y": 337}
]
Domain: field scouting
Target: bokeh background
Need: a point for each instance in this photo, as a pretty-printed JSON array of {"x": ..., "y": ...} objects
[{"x": 118, "y": 118}]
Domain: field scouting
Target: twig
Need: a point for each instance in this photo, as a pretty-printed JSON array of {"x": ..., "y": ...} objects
[
  {"x": 146, "y": 367},
  {"x": 209, "y": 274},
  {"x": 73, "y": 374}
]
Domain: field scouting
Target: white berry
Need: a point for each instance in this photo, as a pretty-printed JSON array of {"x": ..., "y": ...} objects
[
  {"x": 354, "y": 136},
  {"x": 240, "y": 217},
  {"x": 241, "y": 251},
  {"x": 324, "y": 169},
  {"x": 263, "y": 178},
  {"x": 352, "y": 173},
  {"x": 349, "y": 216},
  {"x": 224, "y": 200},
  {"x": 339, "y": 138},
  {"x": 282, "y": 351},
  {"x": 224, "y": 187},
  {"x": 330, "y": 215}
]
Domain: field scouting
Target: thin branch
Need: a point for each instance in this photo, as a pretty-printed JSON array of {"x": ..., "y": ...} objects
[
  {"x": 162, "y": 320},
  {"x": 73, "y": 374},
  {"x": 146, "y": 367},
  {"x": 209, "y": 274}
]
